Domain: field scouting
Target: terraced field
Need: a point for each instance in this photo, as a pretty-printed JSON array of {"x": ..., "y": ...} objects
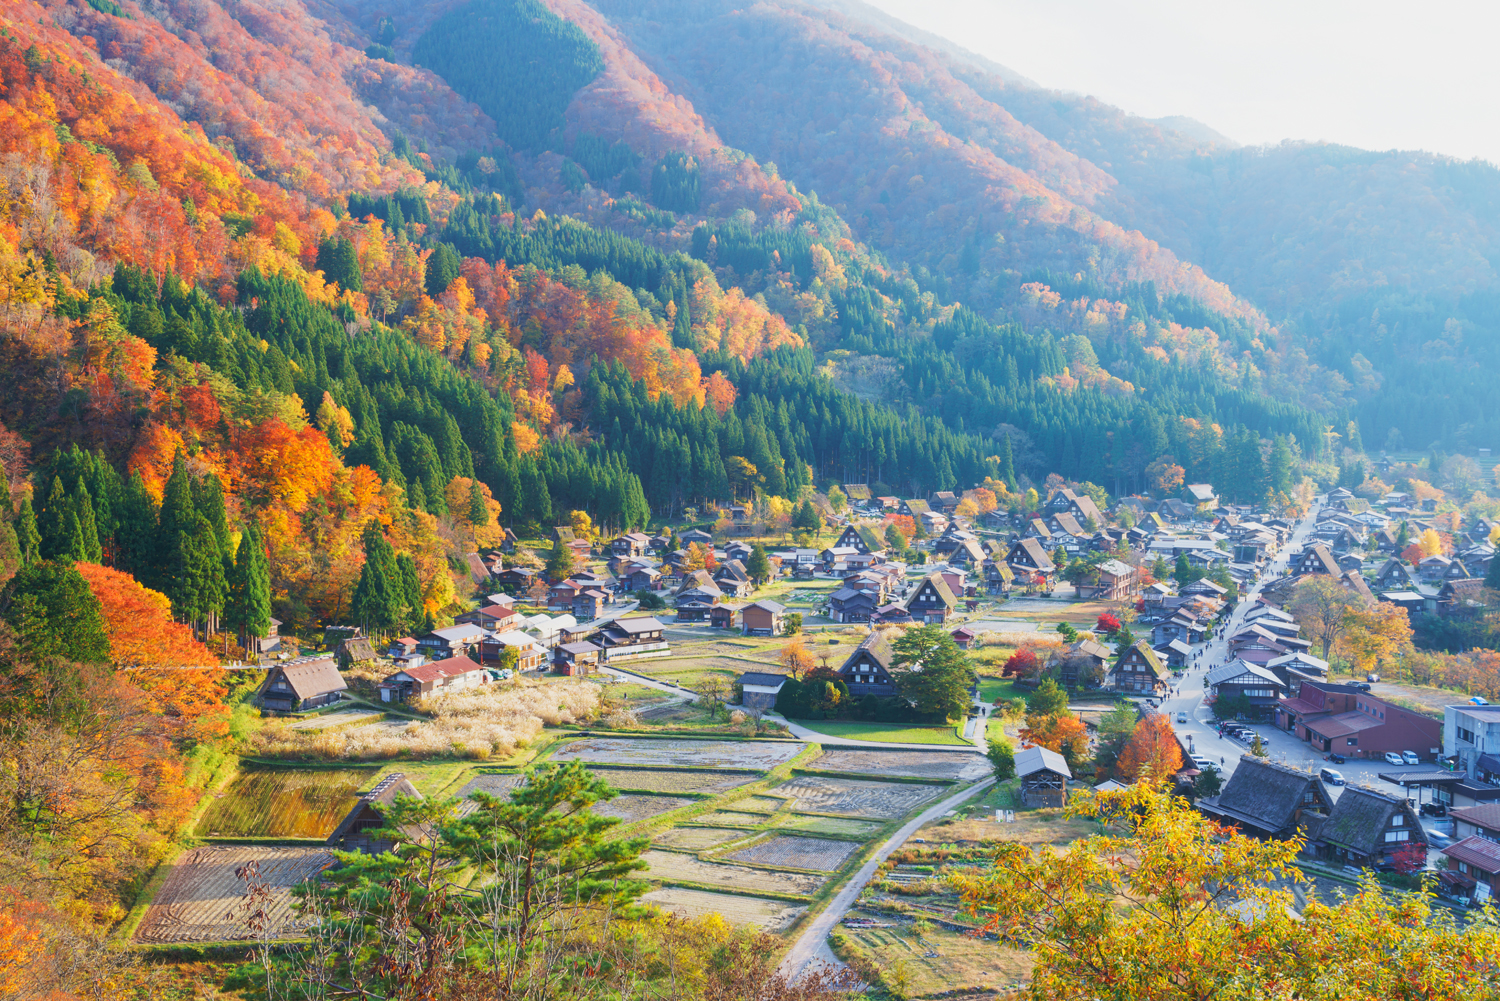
[
  {"x": 494, "y": 784},
  {"x": 680, "y": 753},
  {"x": 201, "y": 898},
  {"x": 731, "y": 818},
  {"x": 827, "y": 825},
  {"x": 671, "y": 780},
  {"x": 768, "y": 915},
  {"x": 757, "y": 804},
  {"x": 284, "y": 803},
  {"x": 855, "y": 797},
  {"x": 944, "y": 766},
  {"x": 677, "y": 867},
  {"x": 821, "y": 854},
  {"x": 698, "y": 838},
  {"x": 630, "y": 808}
]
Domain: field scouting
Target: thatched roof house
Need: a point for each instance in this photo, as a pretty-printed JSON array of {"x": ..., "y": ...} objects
[
  {"x": 1268, "y": 800},
  {"x": 355, "y": 832}
]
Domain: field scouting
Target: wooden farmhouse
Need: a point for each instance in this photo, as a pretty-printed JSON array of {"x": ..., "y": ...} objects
[
  {"x": 1044, "y": 777},
  {"x": 1268, "y": 800},
  {"x": 867, "y": 670},
  {"x": 300, "y": 685},
  {"x": 357, "y": 831}
]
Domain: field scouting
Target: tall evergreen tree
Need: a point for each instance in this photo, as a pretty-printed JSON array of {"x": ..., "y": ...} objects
[
  {"x": 378, "y": 597},
  {"x": 248, "y": 611},
  {"x": 410, "y": 589},
  {"x": 197, "y": 584},
  {"x": 86, "y": 538},
  {"x": 559, "y": 562},
  {"x": 28, "y": 537},
  {"x": 53, "y": 522},
  {"x": 1007, "y": 463},
  {"x": 136, "y": 549},
  {"x": 55, "y": 614},
  {"x": 479, "y": 512}
]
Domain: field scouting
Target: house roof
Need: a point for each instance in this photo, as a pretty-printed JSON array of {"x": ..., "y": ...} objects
[
  {"x": 1484, "y": 815},
  {"x": 775, "y": 608},
  {"x": 383, "y": 795},
  {"x": 1237, "y": 669},
  {"x": 458, "y": 634},
  {"x": 939, "y": 584},
  {"x": 581, "y": 647},
  {"x": 877, "y": 646},
  {"x": 1030, "y": 760},
  {"x": 1038, "y": 555},
  {"x": 1299, "y": 658},
  {"x": 1262, "y": 793},
  {"x": 1152, "y": 661},
  {"x": 1116, "y": 569},
  {"x": 857, "y": 491},
  {"x": 358, "y": 648},
  {"x": 1481, "y": 853},
  {"x": 312, "y": 677},
  {"x": 1342, "y": 724},
  {"x": 1092, "y": 648},
  {"x": 1200, "y": 492},
  {"x": 438, "y": 670},
  {"x": 1069, "y": 524},
  {"x": 643, "y": 624},
  {"x": 918, "y": 507},
  {"x": 1360, "y": 817},
  {"x": 763, "y": 679}
]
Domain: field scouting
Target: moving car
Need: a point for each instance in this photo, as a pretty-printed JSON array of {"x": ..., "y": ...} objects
[
  {"x": 1204, "y": 764},
  {"x": 1181, "y": 716},
  {"x": 1332, "y": 776},
  {"x": 1434, "y": 810},
  {"x": 1392, "y": 758},
  {"x": 1410, "y": 757},
  {"x": 1437, "y": 839}
]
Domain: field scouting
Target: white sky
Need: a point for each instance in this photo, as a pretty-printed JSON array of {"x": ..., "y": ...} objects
[{"x": 1373, "y": 74}]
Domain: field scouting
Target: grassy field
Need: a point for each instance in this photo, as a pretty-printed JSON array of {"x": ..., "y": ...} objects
[
  {"x": 285, "y": 803},
  {"x": 937, "y": 959},
  {"x": 999, "y": 689},
  {"x": 888, "y": 733}
]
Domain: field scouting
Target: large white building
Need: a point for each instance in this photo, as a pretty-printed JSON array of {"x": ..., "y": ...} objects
[{"x": 1471, "y": 733}]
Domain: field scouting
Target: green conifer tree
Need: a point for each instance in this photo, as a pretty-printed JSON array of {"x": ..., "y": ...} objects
[
  {"x": 248, "y": 612},
  {"x": 86, "y": 542},
  {"x": 56, "y": 530},
  {"x": 28, "y": 537},
  {"x": 378, "y": 597},
  {"x": 1007, "y": 464},
  {"x": 410, "y": 586}
]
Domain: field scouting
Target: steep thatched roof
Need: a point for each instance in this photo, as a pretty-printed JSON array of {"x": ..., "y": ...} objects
[
  {"x": 373, "y": 804},
  {"x": 1361, "y": 817},
  {"x": 1266, "y": 796}
]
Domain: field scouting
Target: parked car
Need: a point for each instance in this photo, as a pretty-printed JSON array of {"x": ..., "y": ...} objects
[
  {"x": 1434, "y": 810},
  {"x": 1204, "y": 764},
  {"x": 1332, "y": 776},
  {"x": 1410, "y": 757},
  {"x": 1392, "y": 758},
  {"x": 1362, "y": 686},
  {"x": 1372, "y": 677},
  {"x": 1337, "y": 759}
]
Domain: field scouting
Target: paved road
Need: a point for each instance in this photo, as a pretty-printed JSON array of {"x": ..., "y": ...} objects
[
  {"x": 813, "y": 943},
  {"x": 1283, "y": 747}
]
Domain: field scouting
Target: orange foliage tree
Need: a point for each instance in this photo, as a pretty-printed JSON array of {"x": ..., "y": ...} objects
[{"x": 1151, "y": 753}]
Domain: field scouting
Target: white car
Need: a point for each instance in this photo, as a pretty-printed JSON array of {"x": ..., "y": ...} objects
[
  {"x": 1410, "y": 758},
  {"x": 1392, "y": 758}
]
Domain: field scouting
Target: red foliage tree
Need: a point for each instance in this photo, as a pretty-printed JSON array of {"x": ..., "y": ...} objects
[
  {"x": 1022, "y": 664},
  {"x": 1108, "y": 623}
]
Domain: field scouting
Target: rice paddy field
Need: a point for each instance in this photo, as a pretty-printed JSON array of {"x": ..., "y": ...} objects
[
  {"x": 284, "y": 802},
  {"x": 766, "y": 843},
  {"x": 202, "y": 898}
]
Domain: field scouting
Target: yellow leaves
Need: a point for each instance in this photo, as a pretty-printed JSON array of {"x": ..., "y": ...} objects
[
  {"x": 1431, "y": 542},
  {"x": 1375, "y": 634},
  {"x": 335, "y": 421},
  {"x": 527, "y": 440}
]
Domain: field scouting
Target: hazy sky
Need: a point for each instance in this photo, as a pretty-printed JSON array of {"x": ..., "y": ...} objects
[{"x": 1372, "y": 74}]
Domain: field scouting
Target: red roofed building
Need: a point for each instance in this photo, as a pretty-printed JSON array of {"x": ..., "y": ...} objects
[
  {"x": 1479, "y": 859},
  {"x": 413, "y": 683}
]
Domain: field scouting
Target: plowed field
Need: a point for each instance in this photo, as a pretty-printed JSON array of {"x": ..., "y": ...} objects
[
  {"x": 797, "y": 853},
  {"x": 673, "y": 779},
  {"x": 284, "y": 803},
  {"x": 681, "y": 753},
  {"x": 769, "y": 915},
  {"x": 947, "y": 766},
  {"x": 675, "y": 866},
  {"x": 201, "y": 899},
  {"x": 855, "y": 797}
]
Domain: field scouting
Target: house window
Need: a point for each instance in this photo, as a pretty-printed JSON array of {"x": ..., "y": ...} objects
[
  {"x": 1351, "y": 741},
  {"x": 1463, "y": 867},
  {"x": 1467, "y": 735},
  {"x": 1391, "y": 836},
  {"x": 1398, "y": 820}
]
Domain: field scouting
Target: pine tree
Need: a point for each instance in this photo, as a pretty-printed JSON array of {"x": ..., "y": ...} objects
[
  {"x": 208, "y": 499},
  {"x": 249, "y": 607},
  {"x": 198, "y": 587},
  {"x": 135, "y": 532},
  {"x": 410, "y": 590},
  {"x": 479, "y": 512},
  {"x": 1007, "y": 464},
  {"x": 56, "y": 530},
  {"x": 28, "y": 538},
  {"x": 1492, "y": 577},
  {"x": 10, "y": 552},
  {"x": 86, "y": 542},
  {"x": 379, "y": 598},
  {"x": 758, "y": 566},
  {"x": 559, "y": 562}
]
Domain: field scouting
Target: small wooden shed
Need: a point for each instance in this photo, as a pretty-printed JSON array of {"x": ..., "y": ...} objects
[{"x": 1044, "y": 777}]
